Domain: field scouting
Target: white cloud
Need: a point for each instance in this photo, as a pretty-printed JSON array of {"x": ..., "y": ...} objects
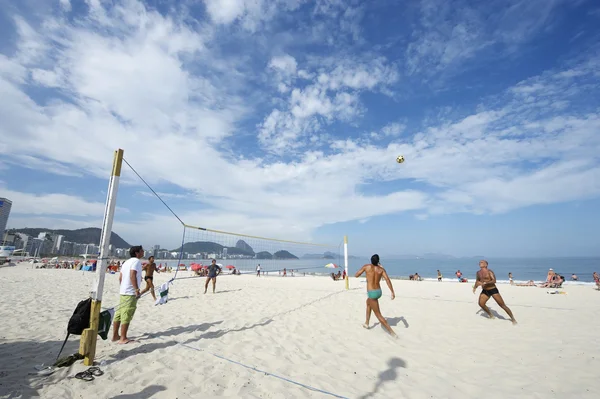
[
  {"x": 66, "y": 5},
  {"x": 251, "y": 13},
  {"x": 284, "y": 63},
  {"x": 51, "y": 204},
  {"x": 332, "y": 95},
  {"x": 449, "y": 34},
  {"x": 132, "y": 78}
]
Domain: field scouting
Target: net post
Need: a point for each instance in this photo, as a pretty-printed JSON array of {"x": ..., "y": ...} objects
[
  {"x": 346, "y": 261},
  {"x": 89, "y": 337}
]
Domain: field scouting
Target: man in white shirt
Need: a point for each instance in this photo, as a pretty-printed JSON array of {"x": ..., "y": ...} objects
[{"x": 130, "y": 279}]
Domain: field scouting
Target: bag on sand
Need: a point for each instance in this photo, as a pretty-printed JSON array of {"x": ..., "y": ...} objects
[{"x": 79, "y": 321}]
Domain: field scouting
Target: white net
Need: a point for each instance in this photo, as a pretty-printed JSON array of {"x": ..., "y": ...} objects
[{"x": 245, "y": 254}]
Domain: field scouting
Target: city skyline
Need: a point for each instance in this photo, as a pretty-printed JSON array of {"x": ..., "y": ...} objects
[{"x": 284, "y": 119}]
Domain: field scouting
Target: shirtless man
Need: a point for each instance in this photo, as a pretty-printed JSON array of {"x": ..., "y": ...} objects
[
  {"x": 150, "y": 268},
  {"x": 374, "y": 274},
  {"x": 487, "y": 280},
  {"x": 213, "y": 271}
]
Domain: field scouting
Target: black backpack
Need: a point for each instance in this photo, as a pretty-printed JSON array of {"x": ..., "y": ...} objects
[
  {"x": 81, "y": 317},
  {"x": 79, "y": 321}
]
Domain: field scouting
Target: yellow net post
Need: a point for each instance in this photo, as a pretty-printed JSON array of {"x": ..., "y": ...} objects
[
  {"x": 87, "y": 343},
  {"x": 346, "y": 261}
]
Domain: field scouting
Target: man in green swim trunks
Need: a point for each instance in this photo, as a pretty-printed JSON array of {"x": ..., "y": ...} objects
[
  {"x": 130, "y": 280},
  {"x": 374, "y": 274}
]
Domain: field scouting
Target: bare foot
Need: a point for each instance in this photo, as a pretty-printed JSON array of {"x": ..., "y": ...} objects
[
  {"x": 366, "y": 326},
  {"x": 514, "y": 322},
  {"x": 127, "y": 341},
  {"x": 116, "y": 338}
]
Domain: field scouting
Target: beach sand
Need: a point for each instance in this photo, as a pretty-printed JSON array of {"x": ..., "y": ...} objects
[{"x": 264, "y": 337}]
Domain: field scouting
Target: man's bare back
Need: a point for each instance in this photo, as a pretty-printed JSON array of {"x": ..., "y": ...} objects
[{"x": 374, "y": 275}]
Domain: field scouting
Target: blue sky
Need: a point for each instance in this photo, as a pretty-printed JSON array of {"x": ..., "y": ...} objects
[{"x": 283, "y": 118}]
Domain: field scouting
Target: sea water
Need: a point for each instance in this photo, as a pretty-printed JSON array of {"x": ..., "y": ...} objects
[{"x": 523, "y": 269}]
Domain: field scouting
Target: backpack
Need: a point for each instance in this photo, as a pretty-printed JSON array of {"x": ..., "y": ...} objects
[
  {"x": 79, "y": 321},
  {"x": 81, "y": 317}
]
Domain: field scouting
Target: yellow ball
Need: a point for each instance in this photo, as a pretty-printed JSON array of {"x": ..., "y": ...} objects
[{"x": 400, "y": 158}]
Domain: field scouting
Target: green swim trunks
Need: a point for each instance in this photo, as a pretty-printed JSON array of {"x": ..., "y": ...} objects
[
  {"x": 127, "y": 306},
  {"x": 374, "y": 294}
]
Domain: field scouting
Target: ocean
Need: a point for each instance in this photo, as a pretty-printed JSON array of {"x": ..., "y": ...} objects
[{"x": 523, "y": 269}]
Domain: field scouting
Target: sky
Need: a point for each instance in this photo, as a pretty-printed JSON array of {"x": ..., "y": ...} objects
[{"x": 284, "y": 118}]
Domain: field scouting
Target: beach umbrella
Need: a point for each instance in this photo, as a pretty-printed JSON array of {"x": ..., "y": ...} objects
[
  {"x": 331, "y": 266},
  {"x": 230, "y": 266}
]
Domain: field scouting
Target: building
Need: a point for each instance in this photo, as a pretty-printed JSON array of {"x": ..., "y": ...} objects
[
  {"x": 58, "y": 243},
  {"x": 5, "y": 205}
]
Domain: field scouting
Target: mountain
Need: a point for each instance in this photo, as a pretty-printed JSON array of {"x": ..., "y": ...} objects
[
  {"x": 213, "y": 247},
  {"x": 90, "y": 235},
  {"x": 284, "y": 255},
  {"x": 325, "y": 255},
  {"x": 264, "y": 255},
  {"x": 243, "y": 246}
]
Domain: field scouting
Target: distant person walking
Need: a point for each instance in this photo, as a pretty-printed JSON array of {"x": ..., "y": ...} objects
[
  {"x": 130, "y": 280},
  {"x": 213, "y": 271},
  {"x": 487, "y": 280},
  {"x": 374, "y": 273},
  {"x": 258, "y": 270},
  {"x": 510, "y": 278},
  {"x": 439, "y": 276}
]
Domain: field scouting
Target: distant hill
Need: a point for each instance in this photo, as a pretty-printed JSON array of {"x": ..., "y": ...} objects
[
  {"x": 325, "y": 255},
  {"x": 242, "y": 245},
  {"x": 284, "y": 255},
  {"x": 264, "y": 255},
  {"x": 213, "y": 247},
  {"x": 90, "y": 235}
]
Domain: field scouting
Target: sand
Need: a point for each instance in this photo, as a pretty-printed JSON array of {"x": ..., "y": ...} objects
[{"x": 263, "y": 337}]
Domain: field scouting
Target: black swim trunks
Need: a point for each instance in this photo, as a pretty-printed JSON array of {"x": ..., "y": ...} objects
[
  {"x": 491, "y": 292},
  {"x": 148, "y": 278}
]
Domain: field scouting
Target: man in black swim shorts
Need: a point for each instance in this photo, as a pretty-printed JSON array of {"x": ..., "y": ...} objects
[
  {"x": 213, "y": 271},
  {"x": 150, "y": 268},
  {"x": 487, "y": 280}
]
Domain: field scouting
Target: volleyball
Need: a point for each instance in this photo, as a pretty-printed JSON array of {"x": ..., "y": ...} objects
[{"x": 400, "y": 158}]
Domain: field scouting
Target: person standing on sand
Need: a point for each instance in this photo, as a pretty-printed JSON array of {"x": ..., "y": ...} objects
[
  {"x": 487, "y": 280},
  {"x": 150, "y": 268},
  {"x": 510, "y": 278},
  {"x": 258, "y": 270},
  {"x": 130, "y": 280},
  {"x": 439, "y": 275},
  {"x": 213, "y": 271},
  {"x": 374, "y": 273}
]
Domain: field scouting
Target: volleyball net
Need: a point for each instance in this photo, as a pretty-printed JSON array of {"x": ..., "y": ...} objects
[{"x": 238, "y": 253}]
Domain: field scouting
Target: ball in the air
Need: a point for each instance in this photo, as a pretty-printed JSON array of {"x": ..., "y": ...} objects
[{"x": 400, "y": 158}]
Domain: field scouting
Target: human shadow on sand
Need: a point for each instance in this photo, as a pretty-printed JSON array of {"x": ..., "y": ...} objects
[
  {"x": 18, "y": 374},
  {"x": 225, "y": 291},
  {"x": 174, "y": 331},
  {"x": 147, "y": 392},
  {"x": 390, "y": 374},
  {"x": 177, "y": 298},
  {"x": 220, "y": 333},
  {"x": 496, "y": 314},
  {"x": 137, "y": 348},
  {"x": 394, "y": 321}
]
